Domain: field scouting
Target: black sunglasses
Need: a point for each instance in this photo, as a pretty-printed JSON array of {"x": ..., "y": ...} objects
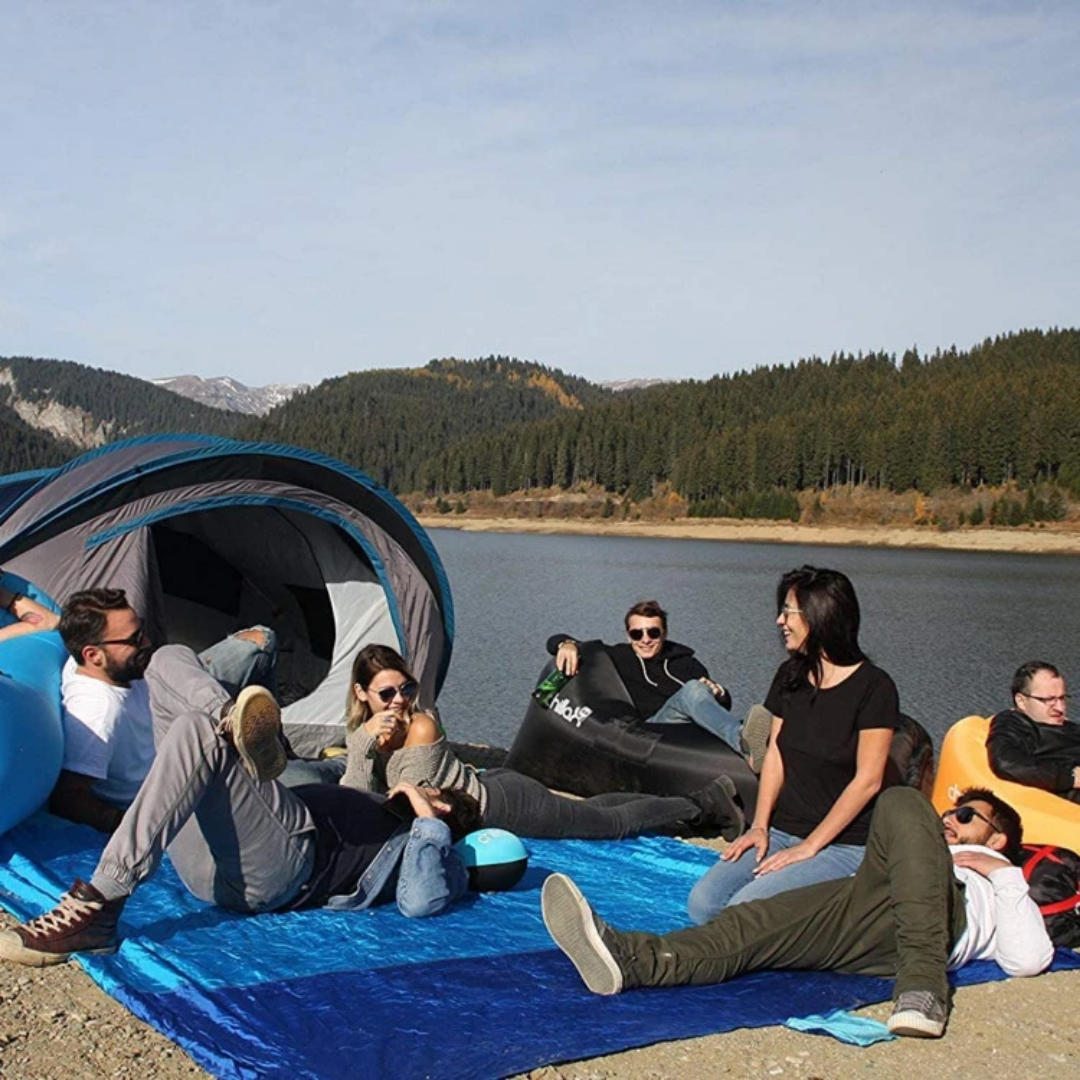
[
  {"x": 637, "y": 633},
  {"x": 134, "y": 641},
  {"x": 406, "y": 689},
  {"x": 967, "y": 814}
]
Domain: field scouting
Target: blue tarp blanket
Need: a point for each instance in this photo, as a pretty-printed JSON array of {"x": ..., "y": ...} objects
[{"x": 477, "y": 992}]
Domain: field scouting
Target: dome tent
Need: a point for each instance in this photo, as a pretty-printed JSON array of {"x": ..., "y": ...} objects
[{"x": 209, "y": 535}]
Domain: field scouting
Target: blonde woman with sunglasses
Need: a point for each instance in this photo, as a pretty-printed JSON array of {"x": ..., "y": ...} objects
[{"x": 391, "y": 740}]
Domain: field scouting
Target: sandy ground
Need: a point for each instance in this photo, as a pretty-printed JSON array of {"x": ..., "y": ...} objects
[
  {"x": 1059, "y": 540},
  {"x": 55, "y": 1024}
]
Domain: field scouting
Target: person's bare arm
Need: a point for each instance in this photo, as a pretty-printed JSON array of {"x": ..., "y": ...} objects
[
  {"x": 33, "y": 617},
  {"x": 73, "y": 798}
]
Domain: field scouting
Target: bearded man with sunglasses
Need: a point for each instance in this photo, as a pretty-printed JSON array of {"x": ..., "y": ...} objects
[
  {"x": 931, "y": 895},
  {"x": 1034, "y": 743},
  {"x": 107, "y": 716},
  {"x": 666, "y": 682}
]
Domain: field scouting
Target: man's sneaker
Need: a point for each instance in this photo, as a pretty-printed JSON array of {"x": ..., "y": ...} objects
[
  {"x": 83, "y": 922},
  {"x": 754, "y": 736},
  {"x": 718, "y": 807},
  {"x": 254, "y": 724},
  {"x": 919, "y": 1013},
  {"x": 580, "y": 933}
]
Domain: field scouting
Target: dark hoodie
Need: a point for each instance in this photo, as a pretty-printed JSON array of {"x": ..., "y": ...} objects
[{"x": 649, "y": 682}]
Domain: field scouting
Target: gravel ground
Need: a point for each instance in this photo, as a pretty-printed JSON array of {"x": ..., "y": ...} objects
[{"x": 55, "y": 1024}]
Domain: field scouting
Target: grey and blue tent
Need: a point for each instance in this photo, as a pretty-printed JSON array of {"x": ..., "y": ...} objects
[{"x": 209, "y": 535}]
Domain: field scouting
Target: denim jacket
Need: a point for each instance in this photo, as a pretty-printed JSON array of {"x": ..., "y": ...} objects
[{"x": 430, "y": 873}]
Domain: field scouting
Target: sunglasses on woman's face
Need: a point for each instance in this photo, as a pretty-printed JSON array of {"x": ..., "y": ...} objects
[
  {"x": 967, "y": 814},
  {"x": 387, "y": 694},
  {"x": 653, "y": 632}
]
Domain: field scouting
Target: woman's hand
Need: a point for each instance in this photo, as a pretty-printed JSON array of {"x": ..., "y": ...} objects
[
  {"x": 754, "y": 837},
  {"x": 566, "y": 659},
  {"x": 386, "y": 728},
  {"x": 778, "y": 860}
]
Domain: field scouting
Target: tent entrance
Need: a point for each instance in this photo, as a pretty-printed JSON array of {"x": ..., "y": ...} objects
[{"x": 215, "y": 572}]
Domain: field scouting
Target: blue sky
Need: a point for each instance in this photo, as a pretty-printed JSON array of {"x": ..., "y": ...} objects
[{"x": 287, "y": 191}]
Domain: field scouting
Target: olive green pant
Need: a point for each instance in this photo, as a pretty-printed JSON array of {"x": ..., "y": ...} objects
[{"x": 899, "y": 915}]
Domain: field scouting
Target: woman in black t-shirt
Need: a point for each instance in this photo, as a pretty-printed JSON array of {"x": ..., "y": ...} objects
[{"x": 834, "y": 714}]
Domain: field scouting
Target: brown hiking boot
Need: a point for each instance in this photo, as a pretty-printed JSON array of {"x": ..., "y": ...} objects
[
  {"x": 254, "y": 726},
  {"x": 83, "y": 922}
]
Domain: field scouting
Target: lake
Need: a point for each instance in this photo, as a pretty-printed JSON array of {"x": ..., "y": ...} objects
[{"x": 949, "y": 627}]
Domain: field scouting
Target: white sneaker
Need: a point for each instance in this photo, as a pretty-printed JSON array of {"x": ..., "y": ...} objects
[{"x": 580, "y": 932}]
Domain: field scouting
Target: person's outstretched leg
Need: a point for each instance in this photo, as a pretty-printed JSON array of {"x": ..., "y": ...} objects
[
  {"x": 246, "y": 845},
  {"x": 784, "y": 932},
  {"x": 897, "y": 916},
  {"x": 526, "y": 807},
  {"x": 696, "y": 703}
]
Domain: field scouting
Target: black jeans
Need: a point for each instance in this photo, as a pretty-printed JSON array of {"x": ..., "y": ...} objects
[{"x": 526, "y": 807}]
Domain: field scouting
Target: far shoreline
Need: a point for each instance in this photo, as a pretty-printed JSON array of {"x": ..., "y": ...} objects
[{"x": 1021, "y": 540}]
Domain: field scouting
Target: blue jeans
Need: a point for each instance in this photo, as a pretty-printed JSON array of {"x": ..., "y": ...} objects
[
  {"x": 235, "y": 662},
  {"x": 696, "y": 703},
  {"x": 300, "y": 772},
  {"x": 730, "y": 883}
]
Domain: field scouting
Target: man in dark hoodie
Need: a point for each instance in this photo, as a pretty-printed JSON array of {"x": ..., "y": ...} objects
[{"x": 666, "y": 682}]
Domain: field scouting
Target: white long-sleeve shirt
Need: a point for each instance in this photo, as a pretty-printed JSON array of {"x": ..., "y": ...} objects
[{"x": 1003, "y": 922}]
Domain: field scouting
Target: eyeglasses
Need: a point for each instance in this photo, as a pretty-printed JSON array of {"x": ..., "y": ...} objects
[
  {"x": 1047, "y": 700},
  {"x": 967, "y": 814},
  {"x": 406, "y": 689},
  {"x": 638, "y": 633},
  {"x": 786, "y": 612},
  {"x": 133, "y": 642}
]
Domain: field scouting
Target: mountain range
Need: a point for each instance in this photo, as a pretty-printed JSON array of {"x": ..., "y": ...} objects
[
  {"x": 1001, "y": 413},
  {"x": 225, "y": 393}
]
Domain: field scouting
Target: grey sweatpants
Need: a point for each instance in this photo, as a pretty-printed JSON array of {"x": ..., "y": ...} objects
[{"x": 235, "y": 842}]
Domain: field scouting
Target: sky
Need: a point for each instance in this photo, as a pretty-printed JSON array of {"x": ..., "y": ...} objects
[{"x": 287, "y": 191}]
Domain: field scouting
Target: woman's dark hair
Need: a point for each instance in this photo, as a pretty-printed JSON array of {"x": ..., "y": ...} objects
[
  {"x": 830, "y": 609},
  {"x": 370, "y": 660}
]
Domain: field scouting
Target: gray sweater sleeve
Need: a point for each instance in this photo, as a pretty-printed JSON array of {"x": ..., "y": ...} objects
[
  {"x": 366, "y": 768},
  {"x": 434, "y": 765}
]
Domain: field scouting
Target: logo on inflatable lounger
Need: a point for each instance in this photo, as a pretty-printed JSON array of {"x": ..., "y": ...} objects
[{"x": 577, "y": 716}]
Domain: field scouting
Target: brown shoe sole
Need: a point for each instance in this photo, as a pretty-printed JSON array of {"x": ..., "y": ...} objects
[{"x": 255, "y": 723}]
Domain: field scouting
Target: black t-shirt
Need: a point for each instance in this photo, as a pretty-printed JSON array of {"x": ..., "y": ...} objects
[
  {"x": 819, "y": 744},
  {"x": 351, "y": 827}
]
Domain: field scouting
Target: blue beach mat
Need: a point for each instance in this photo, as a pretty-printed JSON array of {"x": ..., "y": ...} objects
[{"x": 478, "y": 992}]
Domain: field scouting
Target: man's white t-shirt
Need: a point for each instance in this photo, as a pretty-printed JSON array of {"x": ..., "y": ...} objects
[{"x": 108, "y": 733}]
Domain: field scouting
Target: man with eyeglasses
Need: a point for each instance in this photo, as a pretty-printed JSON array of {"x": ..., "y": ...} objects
[
  {"x": 1034, "y": 743},
  {"x": 666, "y": 682},
  {"x": 107, "y": 716},
  {"x": 914, "y": 910}
]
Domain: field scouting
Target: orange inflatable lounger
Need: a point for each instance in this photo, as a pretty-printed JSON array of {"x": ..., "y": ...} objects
[{"x": 1048, "y": 818}]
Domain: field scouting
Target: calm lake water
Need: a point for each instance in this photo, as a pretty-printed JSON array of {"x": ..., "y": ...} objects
[{"x": 950, "y": 627}]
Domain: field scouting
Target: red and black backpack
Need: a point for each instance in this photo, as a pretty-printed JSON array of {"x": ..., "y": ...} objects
[{"x": 1053, "y": 877}]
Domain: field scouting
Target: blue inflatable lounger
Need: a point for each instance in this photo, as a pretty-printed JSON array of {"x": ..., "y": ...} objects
[{"x": 31, "y": 739}]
